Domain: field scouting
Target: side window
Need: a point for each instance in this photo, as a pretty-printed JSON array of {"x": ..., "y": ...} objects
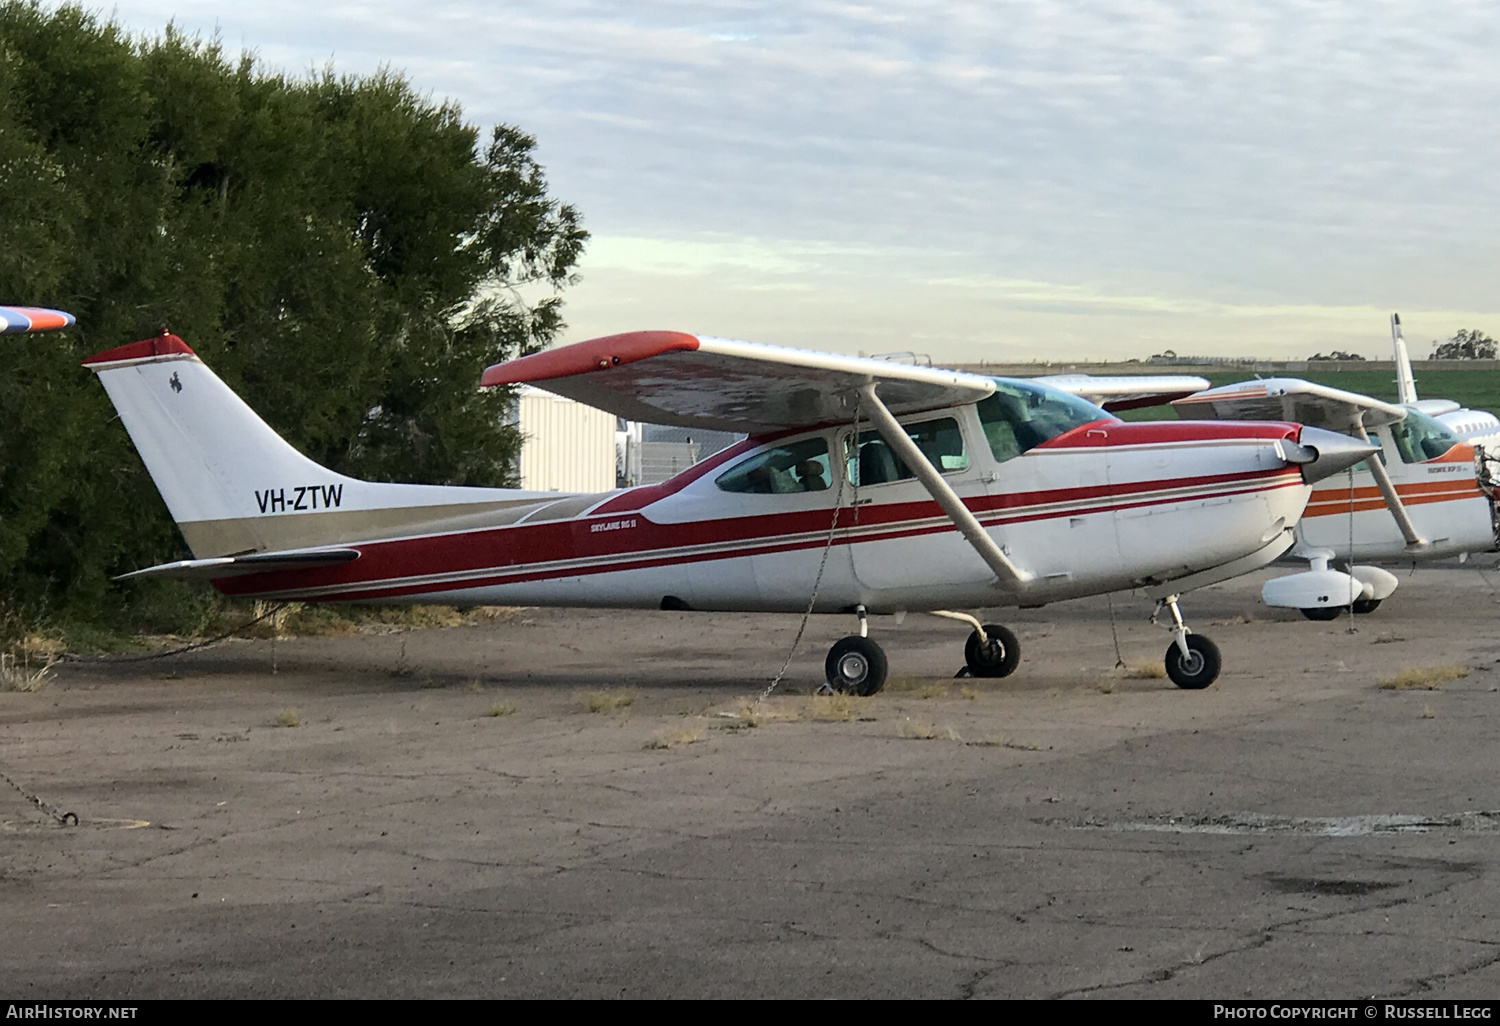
[
  {"x": 940, "y": 441},
  {"x": 794, "y": 467}
]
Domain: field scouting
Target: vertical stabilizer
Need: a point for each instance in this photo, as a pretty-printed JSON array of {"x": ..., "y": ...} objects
[
  {"x": 1406, "y": 385},
  {"x": 234, "y": 486}
]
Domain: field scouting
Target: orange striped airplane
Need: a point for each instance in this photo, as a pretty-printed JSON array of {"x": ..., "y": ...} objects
[{"x": 1428, "y": 495}]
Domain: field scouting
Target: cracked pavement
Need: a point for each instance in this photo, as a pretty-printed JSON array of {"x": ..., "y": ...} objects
[{"x": 1072, "y": 831}]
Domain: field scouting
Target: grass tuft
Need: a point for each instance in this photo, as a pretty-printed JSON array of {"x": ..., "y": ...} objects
[
  {"x": 608, "y": 701},
  {"x": 289, "y": 717},
  {"x": 920, "y": 730},
  {"x": 834, "y": 708},
  {"x": 1428, "y": 677},
  {"x": 500, "y": 709},
  {"x": 1144, "y": 669},
  {"x": 22, "y": 673},
  {"x": 676, "y": 738},
  {"x": 753, "y": 714}
]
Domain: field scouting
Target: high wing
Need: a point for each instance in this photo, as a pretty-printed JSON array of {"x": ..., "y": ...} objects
[
  {"x": 1290, "y": 399},
  {"x": 671, "y": 377},
  {"x": 1126, "y": 391},
  {"x": 16, "y": 320}
]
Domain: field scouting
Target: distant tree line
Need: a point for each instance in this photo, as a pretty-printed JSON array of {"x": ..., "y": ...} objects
[
  {"x": 343, "y": 251},
  {"x": 1465, "y": 345}
]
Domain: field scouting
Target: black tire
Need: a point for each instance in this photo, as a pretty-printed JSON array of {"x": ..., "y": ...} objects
[
  {"x": 1201, "y": 670},
  {"x": 1324, "y": 612},
  {"x": 1363, "y": 606},
  {"x": 855, "y": 664},
  {"x": 998, "y": 656}
]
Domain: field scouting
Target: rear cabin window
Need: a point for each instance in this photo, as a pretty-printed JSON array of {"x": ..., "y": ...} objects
[
  {"x": 1419, "y": 438},
  {"x": 940, "y": 441},
  {"x": 780, "y": 470},
  {"x": 1021, "y": 416}
]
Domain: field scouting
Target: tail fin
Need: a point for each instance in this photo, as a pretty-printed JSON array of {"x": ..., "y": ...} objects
[
  {"x": 1406, "y": 385},
  {"x": 233, "y": 485}
]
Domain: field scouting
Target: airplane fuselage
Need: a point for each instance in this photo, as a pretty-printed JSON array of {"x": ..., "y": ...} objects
[{"x": 1102, "y": 507}]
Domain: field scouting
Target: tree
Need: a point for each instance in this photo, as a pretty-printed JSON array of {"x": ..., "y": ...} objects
[
  {"x": 1337, "y": 354},
  {"x": 342, "y": 251},
  {"x": 1465, "y": 345}
]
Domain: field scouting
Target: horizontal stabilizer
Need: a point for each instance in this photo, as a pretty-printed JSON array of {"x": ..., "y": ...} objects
[
  {"x": 238, "y": 566},
  {"x": 16, "y": 320}
]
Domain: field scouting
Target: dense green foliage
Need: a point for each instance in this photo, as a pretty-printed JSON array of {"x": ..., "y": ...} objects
[{"x": 343, "y": 252}]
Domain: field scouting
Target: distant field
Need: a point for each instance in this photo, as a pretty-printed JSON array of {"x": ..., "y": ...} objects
[{"x": 1478, "y": 389}]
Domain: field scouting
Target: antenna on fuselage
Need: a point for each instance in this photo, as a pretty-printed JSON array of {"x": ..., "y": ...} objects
[{"x": 1406, "y": 385}]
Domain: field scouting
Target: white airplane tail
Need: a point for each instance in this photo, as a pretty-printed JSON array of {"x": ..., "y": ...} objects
[
  {"x": 235, "y": 487},
  {"x": 1406, "y": 384}
]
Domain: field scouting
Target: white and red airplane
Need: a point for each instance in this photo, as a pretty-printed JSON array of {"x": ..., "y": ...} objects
[
  {"x": 865, "y": 487},
  {"x": 1429, "y": 494}
]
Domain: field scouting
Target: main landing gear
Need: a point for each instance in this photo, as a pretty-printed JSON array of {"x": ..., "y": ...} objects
[
  {"x": 1193, "y": 661},
  {"x": 857, "y": 664}
]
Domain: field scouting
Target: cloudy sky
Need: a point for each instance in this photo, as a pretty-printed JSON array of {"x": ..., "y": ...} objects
[{"x": 978, "y": 181}]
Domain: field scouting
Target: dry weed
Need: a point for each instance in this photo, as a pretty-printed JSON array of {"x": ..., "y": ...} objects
[
  {"x": 1427, "y": 712},
  {"x": 969, "y": 694},
  {"x": 500, "y": 709},
  {"x": 608, "y": 701},
  {"x": 753, "y": 714},
  {"x": 289, "y": 717},
  {"x": 1106, "y": 686},
  {"x": 1428, "y": 677},
  {"x": 834, "y": 708},
  {"x": 1143, "y": 669},
  {"x": 920, "y": 730},
  {"x": 676, "y": 738},
  {"x": 28, "y": 665}
]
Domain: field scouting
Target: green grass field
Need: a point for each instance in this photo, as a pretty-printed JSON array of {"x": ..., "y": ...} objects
[{"x": 1477, "y": 389}]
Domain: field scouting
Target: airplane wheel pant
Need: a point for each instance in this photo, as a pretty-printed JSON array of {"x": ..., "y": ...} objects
[
  {"x": 855, "y": 664},
  {"x": 997, "y": 656},
  {"x": 1200, "y": 669}
]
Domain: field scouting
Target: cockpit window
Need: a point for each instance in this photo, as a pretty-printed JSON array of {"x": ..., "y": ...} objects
[
  {"x": 782, "y": 469},
  {"x": 1419, "y": 438},
  {"x": 1021, "y": 415}
]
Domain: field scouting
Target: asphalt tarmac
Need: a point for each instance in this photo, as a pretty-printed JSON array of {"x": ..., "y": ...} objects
[{"x": 450, "y": 818}]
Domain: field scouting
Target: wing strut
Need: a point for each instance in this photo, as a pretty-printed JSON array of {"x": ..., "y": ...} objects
[
  {"x": 1414, "y": 540},
  {"x": 900, "y": 442}
]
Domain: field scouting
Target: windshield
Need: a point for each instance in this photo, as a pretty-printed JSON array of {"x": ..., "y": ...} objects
[
  {"x": 1021, "y": 415},
  {"x": 1419, "y": 438}
]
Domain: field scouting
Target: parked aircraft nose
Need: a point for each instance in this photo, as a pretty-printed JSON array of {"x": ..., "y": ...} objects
[{"x": 1323, "y": 453}]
